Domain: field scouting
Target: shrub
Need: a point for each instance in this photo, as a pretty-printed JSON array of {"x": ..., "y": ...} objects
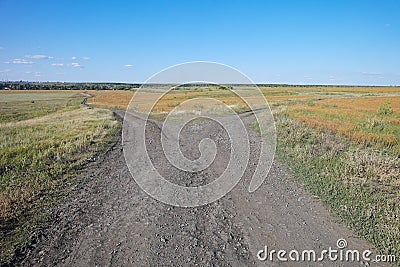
[{"x": 385, "y": 109}]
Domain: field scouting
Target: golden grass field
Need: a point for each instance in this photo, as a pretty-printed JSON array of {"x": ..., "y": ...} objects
[
  {"x": 121, "y": 99},
  {"x": 354, "y": 112},
  {"x": 366, "y": 120}
]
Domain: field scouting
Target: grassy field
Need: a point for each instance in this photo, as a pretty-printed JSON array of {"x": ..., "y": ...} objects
[
  {"x": 366, "y": 120},
  {"x": 344, "y": 146},
  {"x": 361, "y": 184},
  {"x": 121, "y": 99},
  {"x": 45, "y": 137},
  {"x": 342, "y": 143},
  {"x": 274, "y": 95}
]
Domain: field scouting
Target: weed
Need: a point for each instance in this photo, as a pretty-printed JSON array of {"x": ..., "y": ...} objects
[
  {"x": 385, "y": 109},
  {"x": 311, "y": 103}
]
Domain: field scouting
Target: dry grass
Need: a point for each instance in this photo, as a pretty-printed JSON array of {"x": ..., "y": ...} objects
[
  {"x": 328, "y": 108},
  {"x": 342, "y": 89},
  {"x": 286, "y": 95},
  {"x": 110, "y": 98},
  {"x": 121, "y": 99},
  {"x": 363, "y": 120}
]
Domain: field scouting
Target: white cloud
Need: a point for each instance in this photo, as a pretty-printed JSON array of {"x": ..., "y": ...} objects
[
  {"x": 372, "y": 73},
  {"x": 332, "y": 78},
  {"x": 19, "y": 61},
  {"x": 38, "y": 57},
  {"x": 57, "y": 64},
  {"x": 86, "y": 58},
  {"x": 76, "y": 65},
  {"x": 128, "y": 65},
  {"x": 34, "y": 73},
  {"x": 4, "y": 71},
  {"x": 74, "y": 58}
]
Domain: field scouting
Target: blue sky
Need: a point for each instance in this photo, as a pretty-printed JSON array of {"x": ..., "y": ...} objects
[{"x": 299, "y": 42}]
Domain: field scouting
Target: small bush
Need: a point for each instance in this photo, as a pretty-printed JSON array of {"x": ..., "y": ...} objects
[
  {"x": 311, "y": 103},
  {"x": 385, "y": 109}
]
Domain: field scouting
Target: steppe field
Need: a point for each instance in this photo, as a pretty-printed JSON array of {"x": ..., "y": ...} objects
[{"x": 341, "y": 144}]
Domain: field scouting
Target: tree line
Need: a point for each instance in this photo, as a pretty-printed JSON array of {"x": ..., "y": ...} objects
[{"x": 21, "y": 85}]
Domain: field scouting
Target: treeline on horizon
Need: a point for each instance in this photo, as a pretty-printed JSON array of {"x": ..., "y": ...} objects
[{"x": 25, "y": 85}]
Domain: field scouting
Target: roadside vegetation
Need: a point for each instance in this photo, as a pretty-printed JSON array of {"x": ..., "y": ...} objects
[
  {"x": 346, "y": 151},
  {"x": 43, "y": 142},
  {"x": 358, "y": 183}
]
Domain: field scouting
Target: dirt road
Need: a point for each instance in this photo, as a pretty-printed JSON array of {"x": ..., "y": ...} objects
[{"x": 109, "y": 221}]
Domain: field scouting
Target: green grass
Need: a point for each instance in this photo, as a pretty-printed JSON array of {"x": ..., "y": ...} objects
[
  {"x": 18, "y": 110},
  {"x": 41, "y": 147},
  {"x": 17, "y": 96},
  {"x": 385, "y": 109},
  {"x": 361, "y": 185}
]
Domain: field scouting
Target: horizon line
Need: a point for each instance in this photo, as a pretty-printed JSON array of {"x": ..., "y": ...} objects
[{"x": 204, "y": 84}]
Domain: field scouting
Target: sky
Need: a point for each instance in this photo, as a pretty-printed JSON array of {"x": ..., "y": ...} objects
[{"x": 294, "y": 42}]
